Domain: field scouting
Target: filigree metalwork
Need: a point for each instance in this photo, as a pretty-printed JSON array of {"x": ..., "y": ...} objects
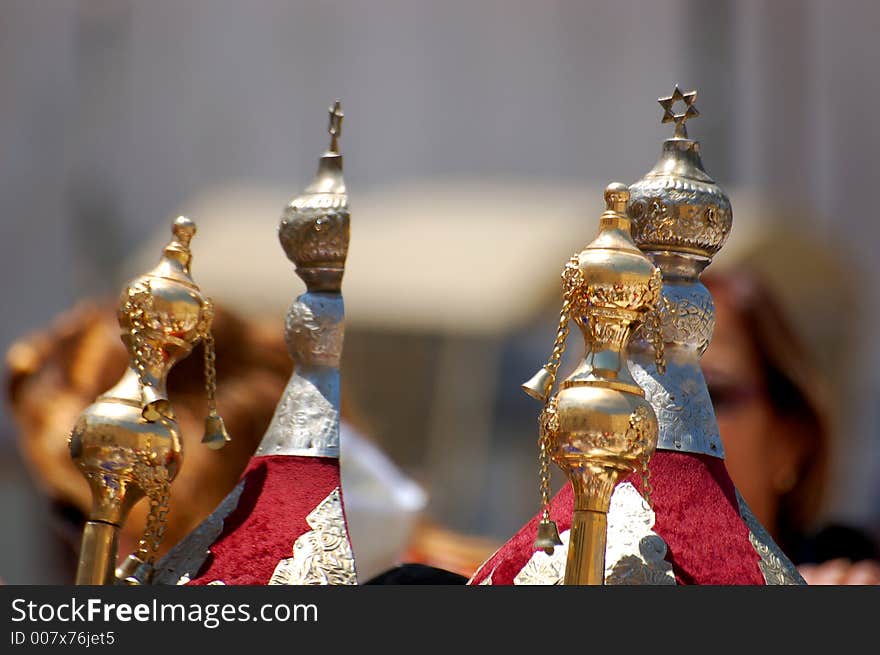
[
  {"x": 634, "y": 553},
  {"x": 321, "y": 556},
  {"x": 633, "y": 297},
  {"x": 680, "y": 213}
]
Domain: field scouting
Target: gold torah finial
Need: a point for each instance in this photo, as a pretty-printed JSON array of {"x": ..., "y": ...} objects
[
  {"x": 598, "y": 428},
  {"x": 127, "y": 443},
  {"x": 335, "y": 126},
  {"x": 669, "y": 116}
]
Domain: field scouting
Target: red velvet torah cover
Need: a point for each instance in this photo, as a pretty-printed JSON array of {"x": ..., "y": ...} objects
[
  {"x": 697, "y": 515},
  {"x": 279, "y": 492}
]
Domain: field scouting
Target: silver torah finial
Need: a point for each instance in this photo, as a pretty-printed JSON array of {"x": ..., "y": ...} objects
[
  {"x": 314, "y": 233},
  {"x": 680, "y": 219}
]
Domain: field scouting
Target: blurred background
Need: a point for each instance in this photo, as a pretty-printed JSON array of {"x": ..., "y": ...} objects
[{"x": 478, "y": 137}]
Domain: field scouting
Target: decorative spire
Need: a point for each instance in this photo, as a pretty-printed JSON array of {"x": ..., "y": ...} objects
[
  {"x": 669, "y": 116},
  {"x": 314, "y": 229}
]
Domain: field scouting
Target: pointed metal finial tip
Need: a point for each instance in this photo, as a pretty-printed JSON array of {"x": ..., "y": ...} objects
[
  {"x": 183, "y": 229},
  {"x": 335, "y": 126},
  {"x": 616, "y": 196}
]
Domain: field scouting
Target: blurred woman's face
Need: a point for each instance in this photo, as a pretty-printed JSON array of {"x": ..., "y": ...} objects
[{"x": 761, "y": 454}]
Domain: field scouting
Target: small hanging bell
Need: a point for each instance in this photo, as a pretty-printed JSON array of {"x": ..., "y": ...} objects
[
  {"x": 548, "y": 536},
  {"x": 155, "y": 405},
  {"x": 216, "y": 435},
  {"x": 539, "y": 386}
]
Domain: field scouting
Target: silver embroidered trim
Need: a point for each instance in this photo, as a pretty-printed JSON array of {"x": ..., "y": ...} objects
[
  {"x": 321, "y": 556},
  {"x": 775, "y": 566},
  {"x": 482, "y": 566},
  {"x": 634, "y": 553},
  {"x": 182, "y": 563}
]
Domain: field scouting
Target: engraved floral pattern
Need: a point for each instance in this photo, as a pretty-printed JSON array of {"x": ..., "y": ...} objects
[
  {"x": 586, "y": 299},
  {"x": 679, "y": 213},
  {"x": 681, "y": 402},
  {"x": 305, "y": 423},
  {"x": 775, "y": 566},
  {"x": 634, "y": 553},
  {"x": 687, "y": 316},
  {"x": 312, "y": 236}
]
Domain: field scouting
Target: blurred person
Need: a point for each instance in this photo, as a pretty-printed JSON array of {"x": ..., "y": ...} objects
[
  {"x": 772, "y": 413},
  {"x": 54, "y": 374}
]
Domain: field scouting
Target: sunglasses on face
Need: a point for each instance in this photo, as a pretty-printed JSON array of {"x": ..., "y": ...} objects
[{"x": 728, "y": 394}]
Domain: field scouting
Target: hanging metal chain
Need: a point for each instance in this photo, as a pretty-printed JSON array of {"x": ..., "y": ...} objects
[
  {"x": 157, "y": 524},
  {"x": 654, "y": 321},
  {"x": 544, "y": 472},
  {"x": 137, "y": 307},
  {"x": 157, "y": 486},
  {"x": 645, "y": 474},
  {"x": 547, "y": 421},
  {"x": 210, "y": 355},
  {"x": 210, "y": 374},
  {"x": 548, "y": 426},
  {"x": 562, "y": 330},
  {"x": 571, "y": 279},
  {"x": 640, "y": 434},
  {"x": 654, "y": 333}
]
